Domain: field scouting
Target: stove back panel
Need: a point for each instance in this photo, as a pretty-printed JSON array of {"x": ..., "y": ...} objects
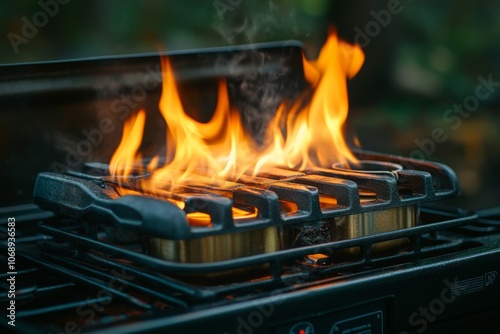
[{"x": 58, "y": 115}]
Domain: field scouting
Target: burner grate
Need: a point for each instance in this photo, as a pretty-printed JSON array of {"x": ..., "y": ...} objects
[
  {"x": 108, "y": 255},
  {"x": 95, "y": 199}
]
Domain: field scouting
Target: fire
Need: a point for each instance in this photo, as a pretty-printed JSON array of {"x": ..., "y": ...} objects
[
  {"x": 304, "y": 134},
  {"x": 216, "y": 148},
  {"x": 124, "y": 157},
  {"x": 314, "y": 132}
]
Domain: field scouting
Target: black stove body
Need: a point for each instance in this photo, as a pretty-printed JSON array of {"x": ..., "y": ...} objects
[
  {"x": 67, "y": 276},
  {"x": 447, "y": 282}
]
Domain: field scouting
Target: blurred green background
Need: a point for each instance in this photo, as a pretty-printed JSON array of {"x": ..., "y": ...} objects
[{"x": 422, "y": 57}]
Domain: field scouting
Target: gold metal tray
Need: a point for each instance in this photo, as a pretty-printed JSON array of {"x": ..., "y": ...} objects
[
  {"x": 218, "y": 247},
  {"x": 235, "y": 245},
  {"x": 375, "y": 222}
]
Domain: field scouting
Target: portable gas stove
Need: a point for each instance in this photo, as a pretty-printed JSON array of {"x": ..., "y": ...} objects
[{"x": 359, "y": 248}]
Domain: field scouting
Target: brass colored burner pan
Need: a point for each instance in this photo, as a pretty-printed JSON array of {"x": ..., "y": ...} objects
[
  {"x": 218, "y": 247},
  {"x": 355, "y": 226},
  {"x": 235, "y": 245},
  {"x": 375, "y": 222}
]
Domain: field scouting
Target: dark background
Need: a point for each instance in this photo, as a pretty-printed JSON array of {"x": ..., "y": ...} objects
[{"x": 420, "y": 63}]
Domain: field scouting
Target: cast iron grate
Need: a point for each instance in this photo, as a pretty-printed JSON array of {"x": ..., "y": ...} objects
[
  {"x": 68, "y": 247},
  {"x": 95, "y": 198}
]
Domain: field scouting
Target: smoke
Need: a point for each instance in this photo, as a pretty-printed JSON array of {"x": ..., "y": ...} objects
[
  {"x": 246, "y": 22},
  {"x": 258, "y": 93},
  {"x": 259, "y": 80}
]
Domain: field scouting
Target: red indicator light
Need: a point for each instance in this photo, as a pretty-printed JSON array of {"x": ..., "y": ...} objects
[{"x": 302, "y": 331}]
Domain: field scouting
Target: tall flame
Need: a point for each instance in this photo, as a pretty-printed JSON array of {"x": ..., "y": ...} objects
[
  {"x": 124, "y": 158},
  {"x": 214, "y": 148},
  {"x": 303, "y": 135},
  {"x": 314, "y": 134}
]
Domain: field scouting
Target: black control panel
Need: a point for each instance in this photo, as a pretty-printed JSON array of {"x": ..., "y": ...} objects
[{"x": 364, "y": 319}]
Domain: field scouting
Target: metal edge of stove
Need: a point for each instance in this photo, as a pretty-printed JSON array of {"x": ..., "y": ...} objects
[
  {"x": 194, "y": 51},
  {"x": 58, "y": 76}
]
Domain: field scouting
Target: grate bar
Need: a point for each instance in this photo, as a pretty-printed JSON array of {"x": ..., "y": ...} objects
[
  {"x": 279, "y": 256},
  {"x": 108, "y": 278},
  {"x": 62, "y": 307},
  {"x": 87, "y": 281}
]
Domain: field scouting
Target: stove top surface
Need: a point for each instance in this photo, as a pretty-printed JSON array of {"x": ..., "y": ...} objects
[{"x": 69, "y": 278}]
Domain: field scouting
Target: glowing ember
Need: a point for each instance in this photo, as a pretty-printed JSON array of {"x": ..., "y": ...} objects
[{"x": 302, "y": 135}]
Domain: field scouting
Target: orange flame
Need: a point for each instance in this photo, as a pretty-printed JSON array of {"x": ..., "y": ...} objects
[
  {"x": 304, "y": 135},
  {"x": 212, "y": 148},
  {"x": 314, "y": 132},
  {"x": 124, "y": 158}
]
